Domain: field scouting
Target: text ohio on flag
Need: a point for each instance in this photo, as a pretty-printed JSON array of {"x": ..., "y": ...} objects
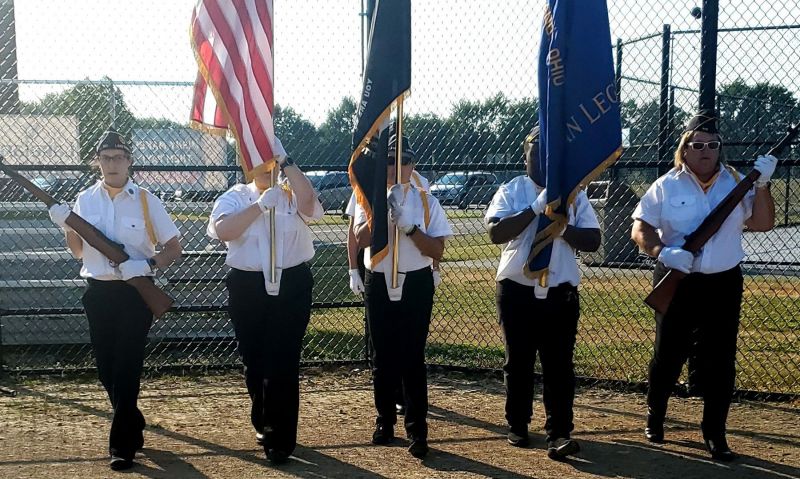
[
  {"x": 579, "y": 113},
  {"x": 232, "y": 42}
]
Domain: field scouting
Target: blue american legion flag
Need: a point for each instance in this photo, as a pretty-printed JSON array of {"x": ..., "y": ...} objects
[{"x": 579, "y": 114}]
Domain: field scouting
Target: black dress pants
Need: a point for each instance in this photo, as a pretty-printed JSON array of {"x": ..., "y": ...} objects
[
  {"x": 269, "y": 331},
  {"x": 704, "y": 317},
  {"x": 119, "y": 322},
  {"x": 548, "y": 327},
  {"x": 398, "y": 333}
]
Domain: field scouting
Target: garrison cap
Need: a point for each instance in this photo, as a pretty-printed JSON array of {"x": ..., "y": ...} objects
[{"x": 112, "y": 140}]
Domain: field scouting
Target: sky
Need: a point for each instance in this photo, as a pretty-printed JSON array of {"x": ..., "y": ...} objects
[{"x": 462, "y": 49}]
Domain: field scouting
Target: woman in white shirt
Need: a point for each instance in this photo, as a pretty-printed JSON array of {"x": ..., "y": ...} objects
[
  {"x": 119, "y": 320},
  {"x": 270, "y": 319},
  {"x": 537, "y": 319},
  {"x": 707, "y": 304}
]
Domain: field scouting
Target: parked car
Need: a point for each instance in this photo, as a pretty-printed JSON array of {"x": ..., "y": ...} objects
[
  {"x": 465, "y": 188},
  {"x": 333, "y": 187}
]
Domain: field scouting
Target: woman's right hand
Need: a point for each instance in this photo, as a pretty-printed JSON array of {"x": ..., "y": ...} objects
[
  {"x": 59, "y": 213},
  {"x": 269, "y": 198},
  {"x": 674, "y": 257}
]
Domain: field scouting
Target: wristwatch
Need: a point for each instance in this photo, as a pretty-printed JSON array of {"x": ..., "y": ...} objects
[
  {"x": 152, "y": 263},
  {"x": 412, "y": 230},
  {"x": 287, "y": 162}
]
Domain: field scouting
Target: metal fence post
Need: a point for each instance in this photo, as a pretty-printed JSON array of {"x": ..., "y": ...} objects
[
  {"x": 618, "y": 73},
  {"x": 664, "y": 106},
  {"x": 788, "y": 191},
  {"x": 708, "y": 54},
  {"x": 9, "y": 92}
]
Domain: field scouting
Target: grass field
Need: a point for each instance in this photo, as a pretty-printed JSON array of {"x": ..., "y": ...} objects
[{"x": 616, "y": 330}]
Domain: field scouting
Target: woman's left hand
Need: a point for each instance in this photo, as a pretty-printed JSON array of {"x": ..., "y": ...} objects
[{"x": 765, "y": 164}]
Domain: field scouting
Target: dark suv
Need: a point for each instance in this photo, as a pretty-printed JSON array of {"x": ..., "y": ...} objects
[
  {"x": 333, "y": 187},
  {"x": 465, "y": 188}
]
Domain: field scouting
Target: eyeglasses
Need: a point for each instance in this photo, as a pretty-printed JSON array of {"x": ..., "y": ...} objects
[
  {"x": 701, "y": 145},
  {"x": 114, "y": 158}
]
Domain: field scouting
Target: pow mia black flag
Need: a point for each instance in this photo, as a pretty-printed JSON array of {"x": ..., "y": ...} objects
[{"x": 387, "y": 78}]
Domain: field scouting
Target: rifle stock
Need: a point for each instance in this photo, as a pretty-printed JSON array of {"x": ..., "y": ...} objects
[
  {"x": 660, "y": 298},
  {"x": 662, "y": 294},
  {"x": 157, "y": 300}
]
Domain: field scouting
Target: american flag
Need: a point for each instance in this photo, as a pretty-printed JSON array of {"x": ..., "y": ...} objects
[{"x": 232, "y": 43}]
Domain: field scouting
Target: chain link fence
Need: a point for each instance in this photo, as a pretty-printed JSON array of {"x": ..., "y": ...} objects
[{"x": 473, "y": 99}]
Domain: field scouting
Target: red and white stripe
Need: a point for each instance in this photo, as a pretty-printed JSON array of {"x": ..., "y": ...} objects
[{"x": 232, "y": 41}]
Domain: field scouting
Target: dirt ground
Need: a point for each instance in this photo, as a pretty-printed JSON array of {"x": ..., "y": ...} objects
[{"x": 198, "y": 427}]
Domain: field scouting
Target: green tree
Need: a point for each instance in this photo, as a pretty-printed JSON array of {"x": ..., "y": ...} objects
[
  {"x": 298, "y": 135},
  {"x": 430, "y": 136},
  {"x": 336, "y": 133},
  {"x": 156, "y": 123},
  {"x": 514, "y": 125},
  {"x": 642, "y": 120},
  {"x": 96, "y": 105},
  {"x": 491, "y": 130},
  {"x": 754, "y": 113}
]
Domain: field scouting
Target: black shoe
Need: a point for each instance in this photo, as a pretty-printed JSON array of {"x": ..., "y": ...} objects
[
  {"x": 562, "y": 447},
  {"x": 384, "y": 434},
  {"x": 518, "y": 438},
  {"x": 719, "y": 449},
  {"x": 277, "y": 457},
  {"x": 418, "y": 448},
  {"x": 119, "y": 463},
  {"x": 654, "y": 432}
]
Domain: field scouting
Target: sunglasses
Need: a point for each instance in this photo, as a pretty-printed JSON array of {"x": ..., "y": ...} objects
[{"x": 701, "y": 145}]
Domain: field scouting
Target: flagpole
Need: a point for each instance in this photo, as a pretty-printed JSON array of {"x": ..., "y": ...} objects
[
  {"x": 273, "y": 276},
  {"x": 272, "y": 249},
  {"x": 398, "y": 171}
]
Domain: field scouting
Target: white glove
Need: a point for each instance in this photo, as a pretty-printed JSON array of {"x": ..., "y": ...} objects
[
  {"x": 279, "y": 151},
  {"x": 540, "y": 203},
  {"x": 765, "y": 164},
  {"x": 395, "y": 196},
  {"x": 437, "y": 278},
  {"x": 674, "y": 257},
  {"x": 397, "y": 213},
  {"x": 269, "y": 198},
  {"x": 356, "y": 285},
  {"x": 58, "y": 214},
  {"x": 133, "y": 268}
]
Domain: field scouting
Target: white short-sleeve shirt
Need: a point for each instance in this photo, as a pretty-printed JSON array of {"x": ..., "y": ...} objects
[
  {"x": 675, "y": 205},
  {"x": 294, "y": 243},
  {"x": 517, "y": 195},
  {"x": 121, "y": 220},
  {"x": 417, "y": 180},
  {"x": 410, "y": 258}
]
